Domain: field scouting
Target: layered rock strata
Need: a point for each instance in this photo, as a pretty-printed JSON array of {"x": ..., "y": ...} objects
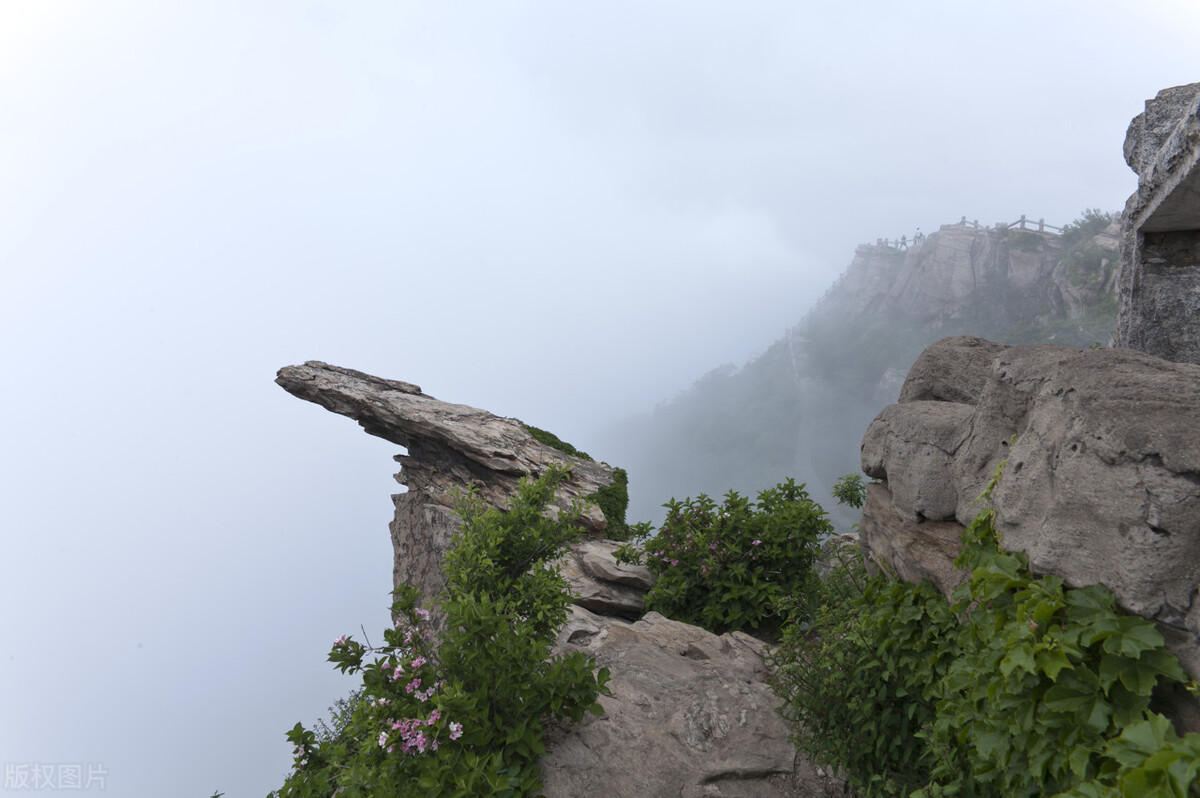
[
  {"x": 1102, "y": 483},
  {"x": 1159, "y": 309}
]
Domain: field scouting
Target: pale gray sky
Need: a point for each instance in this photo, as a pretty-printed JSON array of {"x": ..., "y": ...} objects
[{"x": 560, "y": 211}]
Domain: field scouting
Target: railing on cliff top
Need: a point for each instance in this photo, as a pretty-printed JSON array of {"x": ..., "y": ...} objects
[
  {"x": 919, "y": 238},
  {"x": 1024, "y": 223}
]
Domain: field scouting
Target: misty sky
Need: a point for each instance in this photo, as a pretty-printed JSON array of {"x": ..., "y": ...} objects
[{"x": 561, "y": 211}]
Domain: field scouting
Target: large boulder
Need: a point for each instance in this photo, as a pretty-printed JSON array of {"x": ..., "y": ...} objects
[
  {"x": 690, "y": 715},
  {"x": 1102, "y": 483}
]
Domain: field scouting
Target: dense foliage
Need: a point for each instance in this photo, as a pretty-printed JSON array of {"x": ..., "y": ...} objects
[
  {"x": 1020, "y": 687},
  {"x": 727, "y": 566},
  {"x": 458, "y": 708},
  {"x": 613, "y": 501}
]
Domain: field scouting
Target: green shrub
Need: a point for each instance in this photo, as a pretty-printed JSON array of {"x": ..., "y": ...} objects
[
  {"x": 461, "y": 712},
  {"x": 726, "y": 566},
  {"x": 854, "y": 672},
  {"x": 1092, "y": 221},
  {"x": 613, "y": 501},
  {"x": 1036, "y": 690},
  {"x": 850, "y": 490}
]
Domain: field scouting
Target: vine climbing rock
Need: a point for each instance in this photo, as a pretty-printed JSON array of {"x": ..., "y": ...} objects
[{"x": 1102, "y": 482}]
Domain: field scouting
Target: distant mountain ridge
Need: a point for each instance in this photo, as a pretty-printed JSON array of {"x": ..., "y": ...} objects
[{"x": 800, "y": 408}]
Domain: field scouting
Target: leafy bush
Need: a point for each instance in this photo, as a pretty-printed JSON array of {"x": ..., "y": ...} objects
[
  {"x": 850, "y": 490},
  {"x": 1039, "y": 690},
  {"x": 853, "y": 673},
  {"x": 726, "y": 566},
  {"x": 461, "y": 712}
]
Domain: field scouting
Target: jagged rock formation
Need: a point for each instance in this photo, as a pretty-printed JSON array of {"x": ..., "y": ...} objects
[
  {"x": 690, "y": 712},
  {"x": 1160, "y": 268},
  {"x": 1102, "y": 483},
  {"x": 450, "y": 447}
]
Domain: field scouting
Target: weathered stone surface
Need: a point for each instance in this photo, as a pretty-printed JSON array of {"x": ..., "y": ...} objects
[
  {"x": 690, "y": 715},
  {"x": 450, "y": 446},
  {"x": 950, "y": 370},
  {"x": 1102, "y": 483},
  {"x": 1159, "y": 310},
  {"x": 912, "y": 446},
  {"x": 1081, "y": 285},
  {"x": 600, "y": 584},
  {"x": 910, "y": 550}
]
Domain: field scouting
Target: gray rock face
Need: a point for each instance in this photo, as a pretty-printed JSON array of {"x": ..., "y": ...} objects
[
  {"x": 690, "y": 715},
  {"x": 600, "y": 584},
  {"x": 1159, "y": 309},
  {"x": 1102, "y": 482},
  {"x": 911, "y": 550},
  {"x": 450, "y": 446},
  {"x": 985, "y": 276}
]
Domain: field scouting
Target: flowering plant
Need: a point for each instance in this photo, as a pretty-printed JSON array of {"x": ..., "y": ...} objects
[
  {"x": 725, "y": 566},
  {"x": 460, "y": 710}
]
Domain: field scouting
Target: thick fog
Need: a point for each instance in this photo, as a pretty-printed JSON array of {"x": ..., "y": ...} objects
[{"x": 558, "y": 211}]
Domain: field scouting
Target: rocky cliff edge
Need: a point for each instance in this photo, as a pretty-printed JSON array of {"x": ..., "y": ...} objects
[{"x": 691, "y": 713}]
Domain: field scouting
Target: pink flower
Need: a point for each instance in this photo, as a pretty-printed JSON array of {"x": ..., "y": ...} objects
[
  {"x": 341, "y": 641},
  {"x": 455, "y": 731},
  {"x": 755, "y": 542},
  {"x": 413, "y": 685},
  {"x": 423, "y": 614},
  {"x": 418, "y": 662},
  {"x": 383, "y": 739}
]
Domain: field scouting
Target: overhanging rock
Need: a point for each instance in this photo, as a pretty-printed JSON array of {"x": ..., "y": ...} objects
[{"x": 450, "y": 446}]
